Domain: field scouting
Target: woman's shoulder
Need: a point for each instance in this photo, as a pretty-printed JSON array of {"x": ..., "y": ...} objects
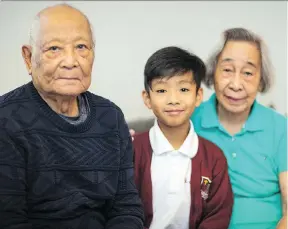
[{"x": 272, "y": 116}]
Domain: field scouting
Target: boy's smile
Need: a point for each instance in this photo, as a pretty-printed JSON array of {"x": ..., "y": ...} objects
[{"x": 173, "y": 99}]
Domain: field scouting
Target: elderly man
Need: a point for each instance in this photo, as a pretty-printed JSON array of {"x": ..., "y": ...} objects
[{"x": 65, "y": 153}]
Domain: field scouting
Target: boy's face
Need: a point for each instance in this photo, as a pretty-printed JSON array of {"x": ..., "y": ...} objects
[{"x": 173, "y": 99}]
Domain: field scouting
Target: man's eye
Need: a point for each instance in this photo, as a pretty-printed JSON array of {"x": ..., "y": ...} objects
[
  {"x": 160, "y": 91},
  {"x": 53, "y": 48},
  {"x": 81, "y": 46},
  {"x": 184, "y": 89}
]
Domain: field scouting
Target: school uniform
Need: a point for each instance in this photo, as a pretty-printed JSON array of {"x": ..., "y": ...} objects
[{"x": 188, "y": 188}]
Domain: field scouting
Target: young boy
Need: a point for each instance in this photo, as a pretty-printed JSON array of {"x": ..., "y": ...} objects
[{"x": 182, "y": 178}]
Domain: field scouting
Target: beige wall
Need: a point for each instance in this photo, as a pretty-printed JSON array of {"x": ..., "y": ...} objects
[{"x": 128, "y": 32}]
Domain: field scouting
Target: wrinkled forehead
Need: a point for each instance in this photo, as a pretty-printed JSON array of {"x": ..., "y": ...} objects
[
  {"x": 63, "y": 29},
  {"x": 241, "y": 52}
]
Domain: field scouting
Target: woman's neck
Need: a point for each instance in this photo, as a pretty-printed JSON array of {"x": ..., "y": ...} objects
[{"x": 232, "y": 122}]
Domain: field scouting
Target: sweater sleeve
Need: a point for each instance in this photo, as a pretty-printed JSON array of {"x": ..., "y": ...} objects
[
  {"x": 126, "y": 211},
  {"x": 218, "y": 208},
  {"x": 13, "y": 207}
]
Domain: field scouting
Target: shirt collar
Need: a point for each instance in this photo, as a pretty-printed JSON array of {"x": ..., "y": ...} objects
[
  {"x": 160, "y": 144},
  {"x": 210, "y": 116}
]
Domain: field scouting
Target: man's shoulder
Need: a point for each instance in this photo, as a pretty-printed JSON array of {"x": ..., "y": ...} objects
[
  {"x": 13, "y": 106},
  {"x": 107, "y": 113},
  {"x": 104, "y": 103},
  {"x": 15, "y": 96}
]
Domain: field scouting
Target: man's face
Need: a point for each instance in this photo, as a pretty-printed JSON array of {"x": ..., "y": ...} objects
[
  {"x": 173, "y": 99},
  {"x": 237, "y": 76},
  {"x": 64, "y": 55}
]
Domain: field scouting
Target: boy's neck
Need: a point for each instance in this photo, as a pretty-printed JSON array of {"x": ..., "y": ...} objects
[{"x": 175, "y": 135}]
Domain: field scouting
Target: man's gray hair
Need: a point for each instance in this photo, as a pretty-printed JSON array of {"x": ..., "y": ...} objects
[
  {"x": 241, "y": 34},
  {"x": 34, "y": 29}
]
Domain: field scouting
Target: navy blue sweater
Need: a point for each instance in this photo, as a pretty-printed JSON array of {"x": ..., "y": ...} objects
[{"x": 54, "y": 174}]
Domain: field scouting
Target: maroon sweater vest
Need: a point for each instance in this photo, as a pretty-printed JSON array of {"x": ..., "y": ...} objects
[{"x": 211, "y": 202}]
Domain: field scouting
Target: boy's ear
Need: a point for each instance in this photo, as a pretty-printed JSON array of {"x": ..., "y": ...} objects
[
  {"x": 146, "y": 99},
  {"x": 199, "y": 97}
]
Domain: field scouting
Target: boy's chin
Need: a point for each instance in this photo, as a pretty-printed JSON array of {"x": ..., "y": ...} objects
[{"x": 175, "y": 123}]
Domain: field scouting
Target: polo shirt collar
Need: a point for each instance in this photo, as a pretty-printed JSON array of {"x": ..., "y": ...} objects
[
  {"x": 210, "y": 117},
  {"x": 160, "y": 144}
]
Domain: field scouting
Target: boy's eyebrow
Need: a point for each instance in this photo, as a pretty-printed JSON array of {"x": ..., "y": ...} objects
[
  {"x": 160, "y": 81},
  {"x": 186, "y": 81}
]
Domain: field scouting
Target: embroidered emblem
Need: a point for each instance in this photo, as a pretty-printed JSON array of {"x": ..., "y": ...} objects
[{"x": 205, "y": 185}]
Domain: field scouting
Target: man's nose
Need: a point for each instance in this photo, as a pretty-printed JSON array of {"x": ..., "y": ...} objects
[{"x": 70, "y": 59}]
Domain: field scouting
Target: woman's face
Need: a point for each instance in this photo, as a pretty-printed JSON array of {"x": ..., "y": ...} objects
[{"x": 237, "y": 76}]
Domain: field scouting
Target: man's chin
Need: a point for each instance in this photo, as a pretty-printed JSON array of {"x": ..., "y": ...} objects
[{"x": 69, "y": 90}]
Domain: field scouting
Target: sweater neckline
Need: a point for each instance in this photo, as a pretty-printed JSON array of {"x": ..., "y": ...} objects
[{"x": 59, "y": 121}]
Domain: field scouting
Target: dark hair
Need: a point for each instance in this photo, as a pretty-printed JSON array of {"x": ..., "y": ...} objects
[{"x": 172, "y": 61}]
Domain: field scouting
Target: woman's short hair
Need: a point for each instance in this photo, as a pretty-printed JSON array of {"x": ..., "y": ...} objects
[{"x": 241, "y": 34}]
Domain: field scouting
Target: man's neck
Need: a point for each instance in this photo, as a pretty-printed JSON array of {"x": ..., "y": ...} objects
[
  {"x": 232, "y": 122},
  {"x": 175, "y": 135},
  {"x": 64, "y": 105}
]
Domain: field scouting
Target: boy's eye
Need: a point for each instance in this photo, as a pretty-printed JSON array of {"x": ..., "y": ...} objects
[
  {"x": 184, "y": 89},
  {"x": 161, "y": 91}
]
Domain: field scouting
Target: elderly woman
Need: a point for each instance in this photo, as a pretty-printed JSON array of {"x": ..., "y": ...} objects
[{"x": 253, "y": 137}]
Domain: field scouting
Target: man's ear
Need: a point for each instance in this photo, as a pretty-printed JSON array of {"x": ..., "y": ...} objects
[
  {"x": 199, "y": 97},
  {"x": 146, "y": 99},
  {"x": 27, "y": 56}
]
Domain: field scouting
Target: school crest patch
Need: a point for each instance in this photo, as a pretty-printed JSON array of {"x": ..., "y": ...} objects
[{"x": 205, "y": 185}]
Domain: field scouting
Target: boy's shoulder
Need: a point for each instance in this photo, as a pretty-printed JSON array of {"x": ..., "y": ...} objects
[
  {"x": 209, "y": 150},
  {"x": 141, "y": 139}
]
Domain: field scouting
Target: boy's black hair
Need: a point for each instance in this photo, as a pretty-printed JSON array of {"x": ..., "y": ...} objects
[{"x": 172, "y": 61}]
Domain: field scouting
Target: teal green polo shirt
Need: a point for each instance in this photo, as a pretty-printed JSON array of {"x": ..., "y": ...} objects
[{"x": 256, "y": 155}]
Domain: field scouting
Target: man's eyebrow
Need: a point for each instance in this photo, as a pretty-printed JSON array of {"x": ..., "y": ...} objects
[{"x": 55, "y": 39}]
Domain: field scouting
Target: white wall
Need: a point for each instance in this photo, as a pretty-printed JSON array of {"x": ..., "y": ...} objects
[{"x": 128, "y": 32}]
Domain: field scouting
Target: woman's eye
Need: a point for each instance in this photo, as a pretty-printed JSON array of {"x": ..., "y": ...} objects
[{"x": 248, "y": 74}]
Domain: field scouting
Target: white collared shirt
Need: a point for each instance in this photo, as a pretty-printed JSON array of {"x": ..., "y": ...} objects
[{"x": 170, "y": 175}]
